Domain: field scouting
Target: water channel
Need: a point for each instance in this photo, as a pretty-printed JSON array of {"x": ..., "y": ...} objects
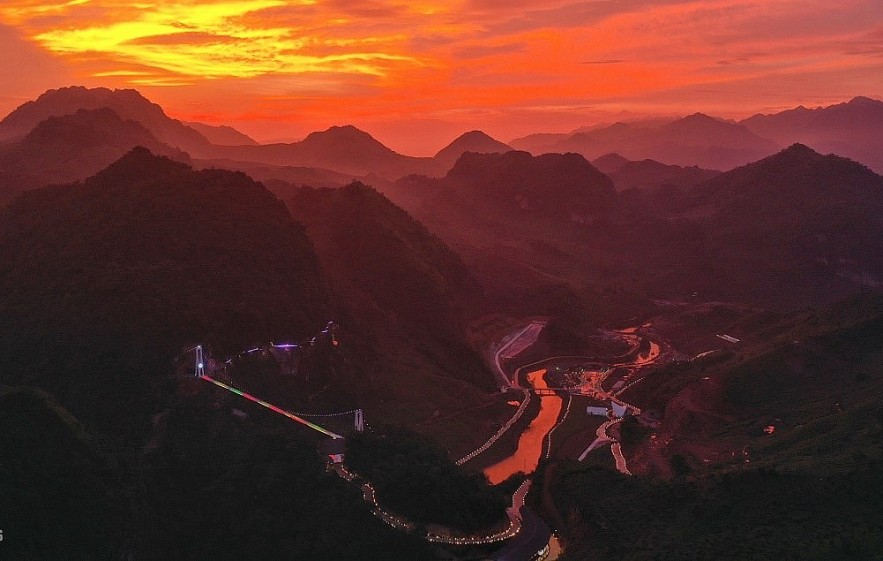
[{"x": 531, "y": 442}]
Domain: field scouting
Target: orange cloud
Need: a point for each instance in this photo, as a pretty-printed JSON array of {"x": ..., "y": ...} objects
[{"x": 508, "y": 66}]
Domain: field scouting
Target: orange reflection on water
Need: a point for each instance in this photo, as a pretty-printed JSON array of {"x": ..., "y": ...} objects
[
  {"x": 650, "y": 356},
  {"x": 530, "y": 443}
]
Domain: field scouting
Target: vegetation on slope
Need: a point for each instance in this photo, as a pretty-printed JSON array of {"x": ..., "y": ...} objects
[
  {"x": 104, "y": 282},
  {"x": 754, "y": 514},
  {"x": 416, "y": 479},
  {"x": 379, "y": 258},
  {"x": 813, "y": 488},
  {"x": 59, "y": 499}
]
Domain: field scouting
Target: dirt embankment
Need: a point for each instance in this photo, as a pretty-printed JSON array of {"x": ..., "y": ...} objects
[{"x": 690, "y": 426}]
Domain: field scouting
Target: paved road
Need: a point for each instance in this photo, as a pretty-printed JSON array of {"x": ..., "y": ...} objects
[
  {"x": 533, "y": 537},
  {"x": 601, "y": 438},
  {"x": 616, "y": 448},
  {"x": 516, "y": 344},
  {"x": 529, "y": 333}
]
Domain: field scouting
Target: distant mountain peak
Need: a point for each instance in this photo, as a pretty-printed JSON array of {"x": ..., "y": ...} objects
[
  {"x": 141, "y": 161},
  {"x": 611, "y": 162},
  {"x": 83, "y": 90},
  {"x": 475, "y": 134},
  {"x": 800, "y": 150},
  {"x": 620, "y": 126},
  {"x": 864, "y": 101},
  {"x": 129, "y": 104},
  {"x": 700, "y": 118},
  {"x": 801, "y": 160},
  {"x": 473, "y": 141},
  {"x": 342, "y": 133},
  {"x": 222, "y": 135}
]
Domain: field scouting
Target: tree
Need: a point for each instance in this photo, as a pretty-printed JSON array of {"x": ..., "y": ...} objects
[{"x": 679, "y": 466}]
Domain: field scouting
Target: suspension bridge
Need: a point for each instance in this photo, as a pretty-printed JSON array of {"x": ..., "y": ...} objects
[{"x": 201, "y": 367}]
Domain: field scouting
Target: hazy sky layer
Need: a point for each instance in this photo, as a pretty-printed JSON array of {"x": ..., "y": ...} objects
[{"x": 415, "y": 74}]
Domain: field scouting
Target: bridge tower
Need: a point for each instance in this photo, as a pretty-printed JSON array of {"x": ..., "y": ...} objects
[
  {"x": 360, "y": 421},
  {"x": 200, "y": 362}
]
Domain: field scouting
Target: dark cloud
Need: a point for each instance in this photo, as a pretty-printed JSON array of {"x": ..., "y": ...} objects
[
  {"x": 870, "y": 44},
  {"x": 482, "y": 51},
  {"x": 365, "y": 8},
  {"x": 423, "y": 43},
  {"x": 364, "y": 13},
  {"x": 185, "y": 38},
  {"x": 565, "y": 16}
]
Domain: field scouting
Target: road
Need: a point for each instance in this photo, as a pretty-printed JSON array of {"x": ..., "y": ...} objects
[
  {"x": 530, "y": 541},
  {"x": 616, "y": 448},
  {"x": 601, "y": 438},
  {"x": 520, "y": 340},
  {"x": 516, "y": 344}
]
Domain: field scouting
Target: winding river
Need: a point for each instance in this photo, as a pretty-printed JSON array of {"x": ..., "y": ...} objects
[{"x": 530, "y": 443}]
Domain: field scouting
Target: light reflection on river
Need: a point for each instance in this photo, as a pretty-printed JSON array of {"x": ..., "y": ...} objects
[
  {"x": 649, "y": 357},
  {"x": 530, "y": 443},
  {"x": 554, "y": 548}
]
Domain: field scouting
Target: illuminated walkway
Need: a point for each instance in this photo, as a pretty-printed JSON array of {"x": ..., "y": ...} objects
[{"x": 270, "y": 406}]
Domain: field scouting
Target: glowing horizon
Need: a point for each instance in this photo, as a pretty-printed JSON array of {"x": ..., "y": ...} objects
[{"x": 417, "y": 74}]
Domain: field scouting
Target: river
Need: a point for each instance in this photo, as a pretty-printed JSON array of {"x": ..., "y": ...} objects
[{"x": 530, "y": 443}]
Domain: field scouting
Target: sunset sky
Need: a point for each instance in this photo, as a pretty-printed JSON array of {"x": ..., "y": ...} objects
[{"x": 416, "y": 74}]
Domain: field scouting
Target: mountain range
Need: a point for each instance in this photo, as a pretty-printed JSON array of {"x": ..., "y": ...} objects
[
  {"x": 71, "y": 148},
  {"x": 155, "y": 235},
  {"x": 695, "y": 140},
  {"x": 853, "y": 129},
  {"x": 501, "y": 191},
  {"x": 792, "y": 229},
  {"x": 850, "y": 129},
  {"x": 649, "y": 174},
  {"x": 128, "y": 104},
  {"x": 472, "y": 141}
]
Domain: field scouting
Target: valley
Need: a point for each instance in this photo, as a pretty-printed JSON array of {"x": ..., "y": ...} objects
[{"x": 215, "y": 348}]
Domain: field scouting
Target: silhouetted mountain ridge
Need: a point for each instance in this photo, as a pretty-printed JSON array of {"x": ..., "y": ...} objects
[
  {"x": 695, "y": 140},
  {"x": 564, "y": 185},
  {"x": 853, "y": 129},
  {"x": 388, "y": 266},
  {"x": 147, "y": 256},
  {"x": 128, "y": 104},
  {"x": 72, "y": 147},
  {"x": 793, "y": 229},
  {"x": 344, "y": 149},
  {"x": 222, "y": 135},
  {"x": 609, "y": 163},
  {"x": 650, "y": 174},
  {"x": 472, "y": 141}
]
